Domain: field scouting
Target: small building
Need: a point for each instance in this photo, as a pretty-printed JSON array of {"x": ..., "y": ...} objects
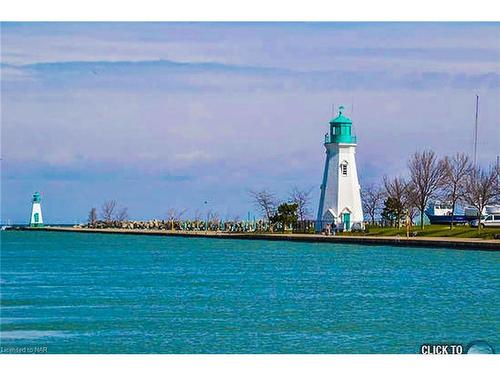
[
  {"x": 36, "y": 219},
  {"x": 340, "y": 200}
]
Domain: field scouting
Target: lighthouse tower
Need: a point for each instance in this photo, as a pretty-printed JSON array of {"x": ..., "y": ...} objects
[
  {"x": 36, "y": 211},
  {"x": 340, "y": 200}
]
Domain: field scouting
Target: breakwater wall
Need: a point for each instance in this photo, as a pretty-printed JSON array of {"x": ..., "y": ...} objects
[{"x": 423, "y": 242}]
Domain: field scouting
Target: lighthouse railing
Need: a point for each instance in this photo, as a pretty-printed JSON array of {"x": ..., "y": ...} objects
[{"x": 341, "y": 138}]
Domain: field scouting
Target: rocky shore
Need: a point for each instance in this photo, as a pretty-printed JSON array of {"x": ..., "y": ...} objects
[{"x": 197, "y": 225}]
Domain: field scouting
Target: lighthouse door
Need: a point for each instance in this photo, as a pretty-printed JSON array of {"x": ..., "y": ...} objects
[
  {"x": 36, "y": 216},
  {"x": 347, "y": 221}
]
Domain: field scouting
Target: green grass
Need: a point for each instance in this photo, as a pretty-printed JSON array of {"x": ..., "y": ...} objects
[{"x": 430, "y": 231}]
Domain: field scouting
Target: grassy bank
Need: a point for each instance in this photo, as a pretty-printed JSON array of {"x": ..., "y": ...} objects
[{"x": 431, "y": 231}]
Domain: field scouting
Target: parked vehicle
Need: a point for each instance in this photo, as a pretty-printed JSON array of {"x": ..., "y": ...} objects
[
  {"x": 488, "y": 221},
  {"x": 471, "y": 212}
]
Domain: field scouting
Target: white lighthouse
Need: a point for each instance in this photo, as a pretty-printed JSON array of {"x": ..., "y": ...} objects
[
  {"x": 340, "y": 200},
  {"x": 36, "y": 219}
]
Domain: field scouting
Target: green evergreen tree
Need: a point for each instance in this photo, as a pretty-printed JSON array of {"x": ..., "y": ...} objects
[
  {"x": 286, "y": 215},
  {"x": 393, "y": 211}
]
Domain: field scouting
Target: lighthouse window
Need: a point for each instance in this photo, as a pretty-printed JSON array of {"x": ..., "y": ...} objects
[{"x": 344, "y": 169}]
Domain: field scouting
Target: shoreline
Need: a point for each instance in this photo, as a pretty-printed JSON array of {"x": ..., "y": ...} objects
[{"x": 441, "y": 242}]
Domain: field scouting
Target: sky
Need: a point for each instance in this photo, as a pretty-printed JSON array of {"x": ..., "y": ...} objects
[{"x": 173, "y": 115}]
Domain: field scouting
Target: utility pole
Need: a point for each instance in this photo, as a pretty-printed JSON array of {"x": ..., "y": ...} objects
[
  {"x": 475, "y": 131},
  {"x": 206, "y": 223}
]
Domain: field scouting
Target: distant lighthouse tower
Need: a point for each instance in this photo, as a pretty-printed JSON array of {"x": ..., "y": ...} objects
[
  {"x": 36, "y": 211},
  {"x": 340, "y": 200}
]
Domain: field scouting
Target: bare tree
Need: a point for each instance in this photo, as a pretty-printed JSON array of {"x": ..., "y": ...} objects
[
  {"x": 213, "y": 217},
  {"x": 482, "y": 189},
  {"x": 397, "y": 189},
  {"x": 171, "y": 214},
  {"x": 108, "y": 210},
  {"x": 92, "y": 216},
  {"x": 197, "y": 215},
  {"x": 174, "y": 214},
  {"x": 372, "y": 197},
  {"x": 265, "y": 201},
  {"x": 411, "y": 206},
  {"x": 457, "y": 168},
  {"x": 303, "y": 200},
  {"x": 122, "y": 215},
  {"x": 426, "y": 177}
]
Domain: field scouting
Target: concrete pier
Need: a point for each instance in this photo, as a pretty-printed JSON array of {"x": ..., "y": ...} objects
[{"x": 424, "y": 242}]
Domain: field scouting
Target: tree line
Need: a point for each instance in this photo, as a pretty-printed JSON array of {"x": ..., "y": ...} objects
[
  {"x": 278, "y": 213},
  {"x": 453, "y": 179},
  {"x": 283, "y": 213},
  {"x": 110, "y": 212}
]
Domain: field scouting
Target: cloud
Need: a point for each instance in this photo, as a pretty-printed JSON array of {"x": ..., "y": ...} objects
[
  {"x": 174, "y": 75},
  {"x": 10, "y": 73},
  {"x": 85, "y": 171},
  {"x": 193, "y": 156}
]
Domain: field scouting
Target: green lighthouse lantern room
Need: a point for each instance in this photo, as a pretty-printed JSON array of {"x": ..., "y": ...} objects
[{"x": 340, "y": 129}]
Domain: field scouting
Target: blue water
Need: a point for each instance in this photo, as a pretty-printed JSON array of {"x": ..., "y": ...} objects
[{"x": 98, "y": 293}]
